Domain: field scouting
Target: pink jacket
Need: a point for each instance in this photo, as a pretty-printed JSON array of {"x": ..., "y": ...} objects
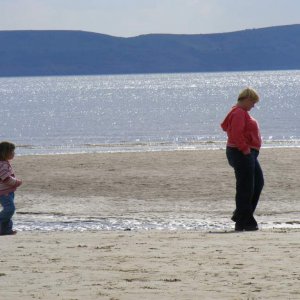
[
  {"x": 242, "y": 130},
  {"x": 8, "y": 182}
]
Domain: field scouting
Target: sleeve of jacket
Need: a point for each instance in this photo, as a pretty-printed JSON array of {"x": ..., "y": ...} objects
[
  {"x": 238, "y": 123},
  {"x": 12, "y": 181},
  {"x": 6, "y": 175},
  {"x": 4, "y": 170}
]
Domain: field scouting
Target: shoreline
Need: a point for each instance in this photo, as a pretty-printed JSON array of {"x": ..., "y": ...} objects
[
  {"x": 133, "y": 147},
  {"x": 147, "y": 190}
]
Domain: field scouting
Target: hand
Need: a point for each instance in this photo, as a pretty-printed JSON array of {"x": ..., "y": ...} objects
[
  {"x": 247, "y": 152},
  {"x": 18, "y": 183}
]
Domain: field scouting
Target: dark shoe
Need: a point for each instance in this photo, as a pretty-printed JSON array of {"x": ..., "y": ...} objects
[
  {"x": 12, "y": 232},
  {"x": 233, "y": 218},
  {"x": 245, "y": 228}
]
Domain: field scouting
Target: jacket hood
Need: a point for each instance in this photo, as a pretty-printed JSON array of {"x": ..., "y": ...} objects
[{"x": 225, "y": 123}]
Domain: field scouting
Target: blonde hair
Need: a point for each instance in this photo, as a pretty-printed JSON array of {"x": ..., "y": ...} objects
[{"x": 248, "y": 93}]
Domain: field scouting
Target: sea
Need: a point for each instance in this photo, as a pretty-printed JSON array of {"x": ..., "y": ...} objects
[
  {"x": 138, "y": 113},
  {"x": 157, "y": 112}
]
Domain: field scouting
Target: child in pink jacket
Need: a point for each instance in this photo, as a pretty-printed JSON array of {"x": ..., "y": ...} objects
[{"x": 8, "y": 186}]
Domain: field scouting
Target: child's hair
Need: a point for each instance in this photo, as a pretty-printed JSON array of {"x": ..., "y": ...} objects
[{"x": 6, "y": 148}]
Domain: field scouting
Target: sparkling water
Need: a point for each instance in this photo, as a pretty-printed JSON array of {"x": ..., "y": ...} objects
[{"x": 142, "y": 112}]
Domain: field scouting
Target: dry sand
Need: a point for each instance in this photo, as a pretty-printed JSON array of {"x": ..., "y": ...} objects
[{"x": 151, "y": 264}]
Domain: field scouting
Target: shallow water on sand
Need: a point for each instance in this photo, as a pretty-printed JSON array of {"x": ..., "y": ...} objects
[
  {"x": 140, "y": 215},
  {"x": 45, "y": 223}
]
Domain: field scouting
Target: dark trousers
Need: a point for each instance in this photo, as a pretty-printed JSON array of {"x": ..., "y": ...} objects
[{"x": 249, "y": 184}]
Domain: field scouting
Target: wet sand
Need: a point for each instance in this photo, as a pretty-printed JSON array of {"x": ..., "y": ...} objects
[{"x": 151, "y": 264}]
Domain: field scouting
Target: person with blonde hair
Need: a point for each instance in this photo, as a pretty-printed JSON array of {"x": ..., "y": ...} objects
[{"x": 243, "y": 145}]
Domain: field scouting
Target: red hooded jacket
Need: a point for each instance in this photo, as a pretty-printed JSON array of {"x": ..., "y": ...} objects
[{"x": 242, "y": 130}]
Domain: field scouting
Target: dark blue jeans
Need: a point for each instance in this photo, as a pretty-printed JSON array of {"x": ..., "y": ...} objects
[
  {"x": 249, "y": 184},
  {"x": 7, "y": 202}
]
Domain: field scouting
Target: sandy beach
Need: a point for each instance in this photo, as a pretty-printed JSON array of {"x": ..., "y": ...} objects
[{"x": 155, "y": 264}]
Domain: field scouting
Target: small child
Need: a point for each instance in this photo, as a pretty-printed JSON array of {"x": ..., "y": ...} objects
[{"x": 8, "y": 185}]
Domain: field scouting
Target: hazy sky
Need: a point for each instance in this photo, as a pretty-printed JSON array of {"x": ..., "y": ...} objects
[{"x": 135, "y": 17}]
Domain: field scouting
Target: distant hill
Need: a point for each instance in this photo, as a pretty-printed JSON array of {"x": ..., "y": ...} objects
[{"x": 37, "y": 53}]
